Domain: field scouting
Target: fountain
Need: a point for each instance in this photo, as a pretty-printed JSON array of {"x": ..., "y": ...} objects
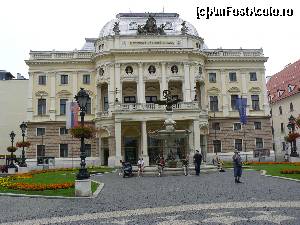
[{"x": 169, "y": 134}]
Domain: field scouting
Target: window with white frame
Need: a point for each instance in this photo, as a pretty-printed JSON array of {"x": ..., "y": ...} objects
[
  {"x": 232, "y": 76},
  {"x": 259, "y": 143},
  {"x": 86, "y": 78},
  {"x": 237, "y": 126},
  {"x": 212, "y": 77},
  {"x": 253, "y": 76},
  {"x": 41, "y": 106},
  {"x": 40, "y": 131},
  {"x": 255, "y": 102},
  {"x": 238, "y": 144},
  {"x": 216, "y": 126},
  {"x": 63, "y": 131},
  {"x": 62, "y": 106},
  {"x": 40, "y": 150},
  {"x": 213, "y": 103},
  {"x": 42, "y": 80},
  {"x": 64, "y": 79},
  {"x": 63, "y": 150},
  {"x": 257, "y": 125},
  {"x": 217, "y": 146}
]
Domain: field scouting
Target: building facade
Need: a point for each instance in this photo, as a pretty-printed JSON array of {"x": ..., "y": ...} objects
[
  {"x": 284, "y": 97},
  {"x": 125, "y": 70},
  {"x": 13, "y": 103}
]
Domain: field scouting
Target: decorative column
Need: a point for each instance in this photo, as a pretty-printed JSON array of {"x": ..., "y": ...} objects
[
  {"x": 193, "y": 84},
  {"x": 224, "y": 94},
  {"x": 196, "y": 130},
  {"x": 145, "y": 143},
  {"x": 98, "y": 99},
  {"x": 29, "y": 97},
  {"x": 52, "y": 95},
  {"x": 187, "y": 92},
  {"x": 244, "y": 88},
  {"x": 111, "y": 87},
  {"x": 141, "y": 84},
  {"x": 266, "y": 106},
  {"x": 118, "y": 141},
  {"x": 163, "y": 85},
  {"x": 118, "y": 82}
]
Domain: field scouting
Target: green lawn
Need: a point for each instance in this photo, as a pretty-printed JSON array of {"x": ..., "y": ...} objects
[
  {"x": 55, "y": 177},
  {"x": 274, "y": 170}
]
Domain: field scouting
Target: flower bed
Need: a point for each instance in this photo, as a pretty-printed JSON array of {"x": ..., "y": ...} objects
[
  {"x": 7, "y": 182},
  {"x": 272, "y": 163},
  {"x": 87, "y": 132},
  {"x": 289, "y": 171},
  {"x": 22, "y": 144}
]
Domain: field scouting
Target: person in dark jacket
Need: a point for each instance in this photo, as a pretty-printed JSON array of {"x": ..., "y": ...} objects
[
  {"x": 197, "y": 161},
  {"x": 237, "y": 165}
]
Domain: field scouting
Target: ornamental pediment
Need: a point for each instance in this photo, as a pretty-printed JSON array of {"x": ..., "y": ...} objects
[
  {"x": 213, "y": 90},
  {"x": 255, "y": 90},
  {"x": 63, "y": 93},
  {"x": 233, "y": 90},
  {"x": 41, "y": 94}
]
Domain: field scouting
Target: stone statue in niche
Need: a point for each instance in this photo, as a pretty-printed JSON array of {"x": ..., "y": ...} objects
[
  {"x": 184, "y": 28},
  {"x": 152, "y": 69},
  {"x": 116, "y": 28}
]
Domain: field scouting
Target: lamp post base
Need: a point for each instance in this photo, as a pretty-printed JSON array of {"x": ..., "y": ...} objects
[
  {"x": 23, "y": 170},
  {"x": 11, "y": 170},
  {"x": 83, "y": 174},
  {"x": 83, "y": 188}
]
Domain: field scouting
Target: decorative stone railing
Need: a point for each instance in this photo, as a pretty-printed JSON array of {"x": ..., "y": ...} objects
[
  {"x": 103, "y": 114},
  {"x": 155, "y": 107},
  {"x": 234, "y": 52},
  {"x": 60, "y": 55}
]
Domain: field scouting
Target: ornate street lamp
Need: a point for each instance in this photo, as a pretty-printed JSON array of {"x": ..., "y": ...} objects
[
  {"x": 12, "y": 137},
  {"x": 82, "y": 99},
  {"x": 291, "y": 126},
  {"x": 23, "y": 127}
]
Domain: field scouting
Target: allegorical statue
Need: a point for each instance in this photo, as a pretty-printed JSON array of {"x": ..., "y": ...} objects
[
  {"x": 184, "y": 28},
  {"x": 116, "y": 28},
  {"x": 150, "y": 27},
  {"x": 169, "y": 102}
]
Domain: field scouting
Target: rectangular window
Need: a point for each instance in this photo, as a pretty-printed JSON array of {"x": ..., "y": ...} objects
[
  {"x": 88, "y": 150},
  {"x": 151, "y": 99},
  {"x": 63, "y": 79},
  {"x": 257, "y": 125},
  {"x": 63, "y": 150},
  {"x": 253, "y": 76},
  {"x": 233, "y": 102},
  {"x": 129, "y": 99},
  {"x": 259, "y": 143},
  {"x": 63, "y": 131},
  {"x": 105, "y": 103},
  {"x": 217, "y": 146},
  {"x": 238, "y": 144},
  {"x": 282, "y": 127},
  {"x": 89, "y": 107},
  {"x": 40, "y": 150},
  {"x": 232, "y": 76},
  {"x": 213, "y": 100},
  {"x": 86, "y": 79},
  {"x": 40, "y": 131},
  {"x": 42, "y": 80},
  {"x": 255, "y": 102},
  {"x": 63, "y": 103},
  {"x": 41, "y": 106},
  {"x": 212, "y": 77},
  {"x": 237, "y": 126},
  {"x": 215, "y": 126}
]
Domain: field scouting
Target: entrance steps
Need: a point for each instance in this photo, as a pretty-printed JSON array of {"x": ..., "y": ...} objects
[{"x": 178, "y": 171}]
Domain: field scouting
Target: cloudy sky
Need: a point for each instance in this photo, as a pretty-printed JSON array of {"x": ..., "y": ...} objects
[{"x": 63, "y": 25}]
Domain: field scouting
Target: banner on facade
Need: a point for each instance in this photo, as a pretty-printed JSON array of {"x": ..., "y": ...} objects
[
  {"x": 241, "y": 105},
  {"x": 72, "y": 110}
]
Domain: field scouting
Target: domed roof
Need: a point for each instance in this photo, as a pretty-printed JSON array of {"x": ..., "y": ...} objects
[{"x": 129, "y": 22}]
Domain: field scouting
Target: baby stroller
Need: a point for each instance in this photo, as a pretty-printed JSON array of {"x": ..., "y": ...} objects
[{"x": 127, "y": 169}]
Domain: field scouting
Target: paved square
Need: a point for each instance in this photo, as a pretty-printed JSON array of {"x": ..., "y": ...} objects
[{"x": 209, "y": 199}]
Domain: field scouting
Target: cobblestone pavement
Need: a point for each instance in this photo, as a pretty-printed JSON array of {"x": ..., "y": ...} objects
[{"x": 209, "y": 199}]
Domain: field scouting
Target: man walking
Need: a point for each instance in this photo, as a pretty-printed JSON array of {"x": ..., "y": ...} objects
[
  {"x": 237, "y": 165},
  {"x": 197, "y": 161}
]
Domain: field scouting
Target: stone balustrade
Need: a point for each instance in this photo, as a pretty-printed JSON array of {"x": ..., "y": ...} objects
[
  {"x": 234, "y": 52},
  {"x": 60, "y": 55}
]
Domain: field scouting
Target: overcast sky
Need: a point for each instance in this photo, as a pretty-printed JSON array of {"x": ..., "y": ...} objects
[{"x": 63, "y": 24}]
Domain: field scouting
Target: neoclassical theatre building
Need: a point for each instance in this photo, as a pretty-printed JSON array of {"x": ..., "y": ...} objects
[{"x": 125, "y": 70}]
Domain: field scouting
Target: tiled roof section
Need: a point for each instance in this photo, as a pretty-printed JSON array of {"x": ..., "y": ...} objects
[{"x": 284, "y": 83}]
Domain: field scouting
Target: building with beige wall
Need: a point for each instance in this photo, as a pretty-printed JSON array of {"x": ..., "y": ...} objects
[
  {"x": 13, "y": 102},
  {"x": 126, "y": 69},
  {"x": 284, "y": 96}
]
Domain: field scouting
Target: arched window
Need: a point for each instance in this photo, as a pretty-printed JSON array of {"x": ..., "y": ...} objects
[
  {"x": 101, "y": 71},
  {"x": 128, "y": 70},
  {"x": 280, "y": 110},
  {"x": 152, "y": 69},
  {"x": 291, "y": 107},
  {"x": 174, "y": 69}
]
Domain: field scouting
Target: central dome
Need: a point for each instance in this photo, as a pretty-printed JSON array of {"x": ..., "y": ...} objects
[{"x": 129, "y": 23}]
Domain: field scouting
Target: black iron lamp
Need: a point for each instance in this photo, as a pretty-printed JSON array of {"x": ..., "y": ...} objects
[
  {"x": 23, "y": 127},
  {"x": 82, "y": 99},
  {"x": 12, "y": 137}
]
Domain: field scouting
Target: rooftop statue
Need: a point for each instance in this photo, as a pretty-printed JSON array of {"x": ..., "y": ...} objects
[
  {"x": 169, "y": 102},
  {"x": 116, "y": 28},
  {"x": 184, "y": 28},
  {"x": 150, "y": 27}
]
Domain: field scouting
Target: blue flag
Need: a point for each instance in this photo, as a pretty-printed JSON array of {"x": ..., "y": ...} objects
[{"x": 241, "y": 104}]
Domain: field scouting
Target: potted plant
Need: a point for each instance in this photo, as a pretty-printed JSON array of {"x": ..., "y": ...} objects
[
  {"x": 11, "y": 149},
  {"x": 292, "y": 136},
  {"x": 22, "y": 144},
  {"x": 87, "y": 132}
]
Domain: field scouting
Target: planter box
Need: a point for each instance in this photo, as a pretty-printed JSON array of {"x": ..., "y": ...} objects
[
  {"x": 83, "y": 188},
  {"x": 23, "y": 170}
]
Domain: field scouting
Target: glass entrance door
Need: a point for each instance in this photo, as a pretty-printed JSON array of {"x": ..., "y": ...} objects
[{"x": 131, "y": 149}]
